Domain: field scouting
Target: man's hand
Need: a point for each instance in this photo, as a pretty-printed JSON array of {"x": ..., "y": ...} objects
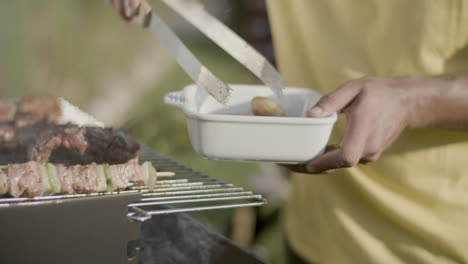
[
  {"x": 379, "y": 109},
  {"x": 127, "y": 9}
]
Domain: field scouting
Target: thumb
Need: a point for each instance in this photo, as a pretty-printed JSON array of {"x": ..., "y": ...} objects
[{"x": 336, "y": 100}]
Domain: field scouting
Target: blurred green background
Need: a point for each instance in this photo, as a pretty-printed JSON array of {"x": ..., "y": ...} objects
[{"x": 81, "y": 51}]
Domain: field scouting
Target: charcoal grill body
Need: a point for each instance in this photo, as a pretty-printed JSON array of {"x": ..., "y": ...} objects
[{"x": 178, "y": 238}]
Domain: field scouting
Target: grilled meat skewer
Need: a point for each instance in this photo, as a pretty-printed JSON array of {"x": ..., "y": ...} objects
[{"x": 35, "y": 179}]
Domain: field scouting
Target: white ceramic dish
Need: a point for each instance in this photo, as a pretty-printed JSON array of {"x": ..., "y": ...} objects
[{"x": 228, "y": 132}]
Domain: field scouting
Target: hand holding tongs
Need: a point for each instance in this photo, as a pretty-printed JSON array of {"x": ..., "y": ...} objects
[{"x": 214, "y": 29}]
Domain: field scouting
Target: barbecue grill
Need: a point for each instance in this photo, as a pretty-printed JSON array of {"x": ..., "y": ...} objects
[{"x": 105, "y": 228}]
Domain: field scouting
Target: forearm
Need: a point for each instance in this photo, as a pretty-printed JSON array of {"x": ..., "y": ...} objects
[{"x": 441, "y": 103}]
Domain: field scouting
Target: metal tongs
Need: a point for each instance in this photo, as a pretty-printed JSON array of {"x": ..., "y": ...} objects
[{"x": 195, "y": 13}]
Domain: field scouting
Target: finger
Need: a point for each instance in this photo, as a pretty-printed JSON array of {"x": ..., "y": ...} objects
[
  {"x": 131, "y": 8},
  {"x": 336, "y": 100},
  {"x": 123, "y": 9},
  {"x": 134, "y": 3},
  {"x": 357, "y": 131},
  {"x": 327, "y": 161},
  {"x": 134, "y": 17},
  {"x": 127, "y": 9},
  {"x": 302, "y": 168},
  {"x": 352, "y": 148}
]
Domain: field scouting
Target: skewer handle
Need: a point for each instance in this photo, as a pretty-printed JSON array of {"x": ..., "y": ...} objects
[{"x": 165, "y": 173}]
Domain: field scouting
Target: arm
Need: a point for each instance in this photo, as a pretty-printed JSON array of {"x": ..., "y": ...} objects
[{"x": 378, "y": 110}]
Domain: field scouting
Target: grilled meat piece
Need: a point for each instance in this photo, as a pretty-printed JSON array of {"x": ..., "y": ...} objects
[
  {"x": 65, "y": 176},
  {"x": 30, "y": 110},
  {"x": 110, "y": 146},
  {"x": 35, "y": 181},
  {"x": 138, "y": 176},
  {"x": 34, "y": 109},
  {"x": 122, "y": 174},
  {"x": 15, "y": 173},
  {"x": 69, "y": 137},
  {"x": 3, "y": 183},
  {"x": 29, "y": 179},
  {"x": 7, "y": 110},
  {"x": 7, "y": 135},
  {"x": 39, "y": 142},
  {"x": 88, "y": 180}
]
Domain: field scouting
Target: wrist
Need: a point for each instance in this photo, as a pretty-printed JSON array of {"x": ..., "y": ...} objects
[{"x": 428, "y": 99}]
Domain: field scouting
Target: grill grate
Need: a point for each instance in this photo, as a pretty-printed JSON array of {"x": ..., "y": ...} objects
[{"x": 187, "y": 190}]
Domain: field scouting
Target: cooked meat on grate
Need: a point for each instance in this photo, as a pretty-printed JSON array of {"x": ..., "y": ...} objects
[
  {"x": 30, "y": 110},
  {"x": 3, "y": 183},
  {"x": 7, "y": 135},
  {"x": 109, "y": 145},
  {"x": 29, "y": 179},
  {"x": 53, "y": 137},
  {"x": 7, "y": 110},
  {"x": 129, "y": 172},
  {"x": 42, "y": 106},
  {"x": 40, "y": 140},
  {"x": 15, "y": 173},
  {"x": 65, "y": 178},
  {"x": 35, "y": 179}
]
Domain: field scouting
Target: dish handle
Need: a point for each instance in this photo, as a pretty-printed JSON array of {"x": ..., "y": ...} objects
[{"x": 175, "y": 99}]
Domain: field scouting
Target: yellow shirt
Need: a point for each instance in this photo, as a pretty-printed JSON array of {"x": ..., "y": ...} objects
[{"x": 411, "y": 206}]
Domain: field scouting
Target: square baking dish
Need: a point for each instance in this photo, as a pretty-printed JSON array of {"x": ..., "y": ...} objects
[{"x": 228, "y": 132}]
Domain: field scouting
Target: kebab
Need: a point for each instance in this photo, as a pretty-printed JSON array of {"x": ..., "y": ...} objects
[
  {"x": 40, "y": 141},
  {"x": 33, "y": 179}
]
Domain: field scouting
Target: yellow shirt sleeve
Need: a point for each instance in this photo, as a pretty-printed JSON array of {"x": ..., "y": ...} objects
[{"x": 411, "y": 206}]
